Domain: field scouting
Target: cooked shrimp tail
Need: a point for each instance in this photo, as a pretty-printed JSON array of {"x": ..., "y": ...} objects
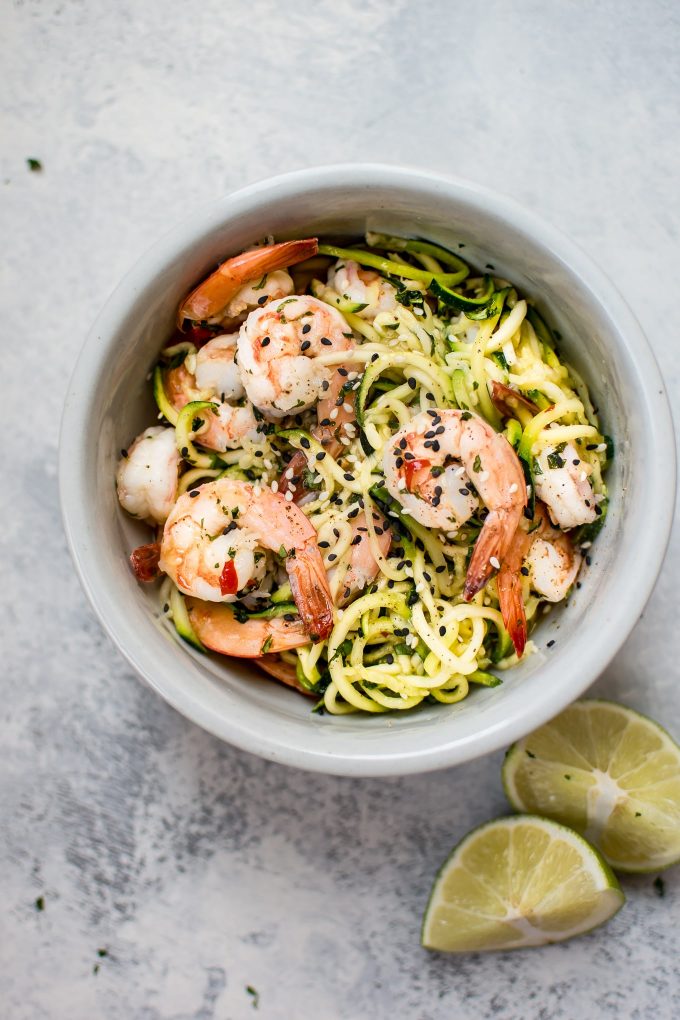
[
  {"x": 213, "y": 295},
  {"x": 309, "y": 585},
  {"x": 490, "y": 549},
  {"x": 510, "y": 592}
]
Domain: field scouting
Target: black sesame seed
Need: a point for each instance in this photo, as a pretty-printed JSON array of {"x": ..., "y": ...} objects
[
  {"x": 123, "y": 453},
  {"x": 379, "y": 531},
  {"x": 304, "y": 442},
  {"x": 324, "y": 545},
  {"x": 184, "y": 451},
  {"x": 550, "y": 643},
  {"x": 464, "y": 491},
  {"x": 348, "y": 477},
  {"x": 356, "y": 540},
  {"x": 402, "y": 444},
  {"x": 305, "y": 345},
  {"x": 390, "y": 583},
  {"x": 411, "y": 382},
  {"x": 442, "y": 630},
  {"x": 343, "y": 372},
  {"x": 321, "y": 454},
  {"x": 261, "y": 300},
  {"x": 331, "y": 557},
  {"x": 326, "y": 342},
  {"x": 525, "y": 571},
  {"x": 194, "y": 493},
  {"x": 265, "y": 341},
  {"x": 306, "y": 328}
]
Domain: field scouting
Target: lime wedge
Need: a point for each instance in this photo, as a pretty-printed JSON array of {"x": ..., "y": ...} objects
[
  {"x": 608, "y": 772},
  {"x": 517, "y": 882}
]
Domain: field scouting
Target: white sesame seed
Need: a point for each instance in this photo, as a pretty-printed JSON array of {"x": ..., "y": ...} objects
[
  {"x": 275, "y": 486},
  {"x": 483, "y": 476},
  {"x": 495, "y": 563},
  {"x": 401, "y": 484},
  {"x": 347, "y": 407},
  {"x": 601, "y": 448},
  {"x": 288, "y": 473},
  {"x": 289, "y": 496},
  {"x": 334, "y": 414},
  {"x": 586, "y": 545},
  {"x": 267, "y": 463},
  {"x": 345, "y": 441},
  {"x": 583, "y": 476},
  {"x": 514, "y": 487}
]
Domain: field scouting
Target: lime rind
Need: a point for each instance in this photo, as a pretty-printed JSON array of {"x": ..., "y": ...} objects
[
  {"x": 515, "y": 759},
  {"x": 610, "y": 897}
]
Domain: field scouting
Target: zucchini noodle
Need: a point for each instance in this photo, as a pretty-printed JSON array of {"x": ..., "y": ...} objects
[{"x": 408, "y": 635}]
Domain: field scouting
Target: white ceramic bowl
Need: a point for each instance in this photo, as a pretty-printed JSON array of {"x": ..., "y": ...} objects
[{"x": 109, "y": 402}]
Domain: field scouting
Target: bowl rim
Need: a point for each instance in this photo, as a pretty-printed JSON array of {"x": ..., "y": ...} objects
[{"x": 73, "y": 483}]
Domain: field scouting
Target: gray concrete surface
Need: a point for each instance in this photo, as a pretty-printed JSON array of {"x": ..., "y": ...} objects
[{"x": 173, "y": 871}]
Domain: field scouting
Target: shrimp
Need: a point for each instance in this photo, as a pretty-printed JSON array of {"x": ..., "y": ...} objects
[
  {"x": 353, "y": 574},
  {"x": 561, "y": 482},
  {"x": 218, "y": 544},
  {"x": 229, "y": 290},
  {"x": 546, "y": 556},
  {"x": 277, "y": 350},
  {"x": 146, "y": 479},
  {"x": 219, "y": 629},
  {"x": 281, "y": 670},
  {"x": 212, "y": 374},
  {"x": 429, "y": 466},
  {"x": 363, "y": 286}
]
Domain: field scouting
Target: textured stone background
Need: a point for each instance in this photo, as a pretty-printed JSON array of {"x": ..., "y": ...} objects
[{"x": 198, "y": 869}]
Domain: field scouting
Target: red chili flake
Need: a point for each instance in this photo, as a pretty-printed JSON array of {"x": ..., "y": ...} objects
[
  {"x": 411, "y": 467},
  {"x": 229, "y": 579},
  {"x": 144, "y": 561}
]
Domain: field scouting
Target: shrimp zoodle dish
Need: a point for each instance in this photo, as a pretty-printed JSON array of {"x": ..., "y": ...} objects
[{"x": 373, "y": 469}]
